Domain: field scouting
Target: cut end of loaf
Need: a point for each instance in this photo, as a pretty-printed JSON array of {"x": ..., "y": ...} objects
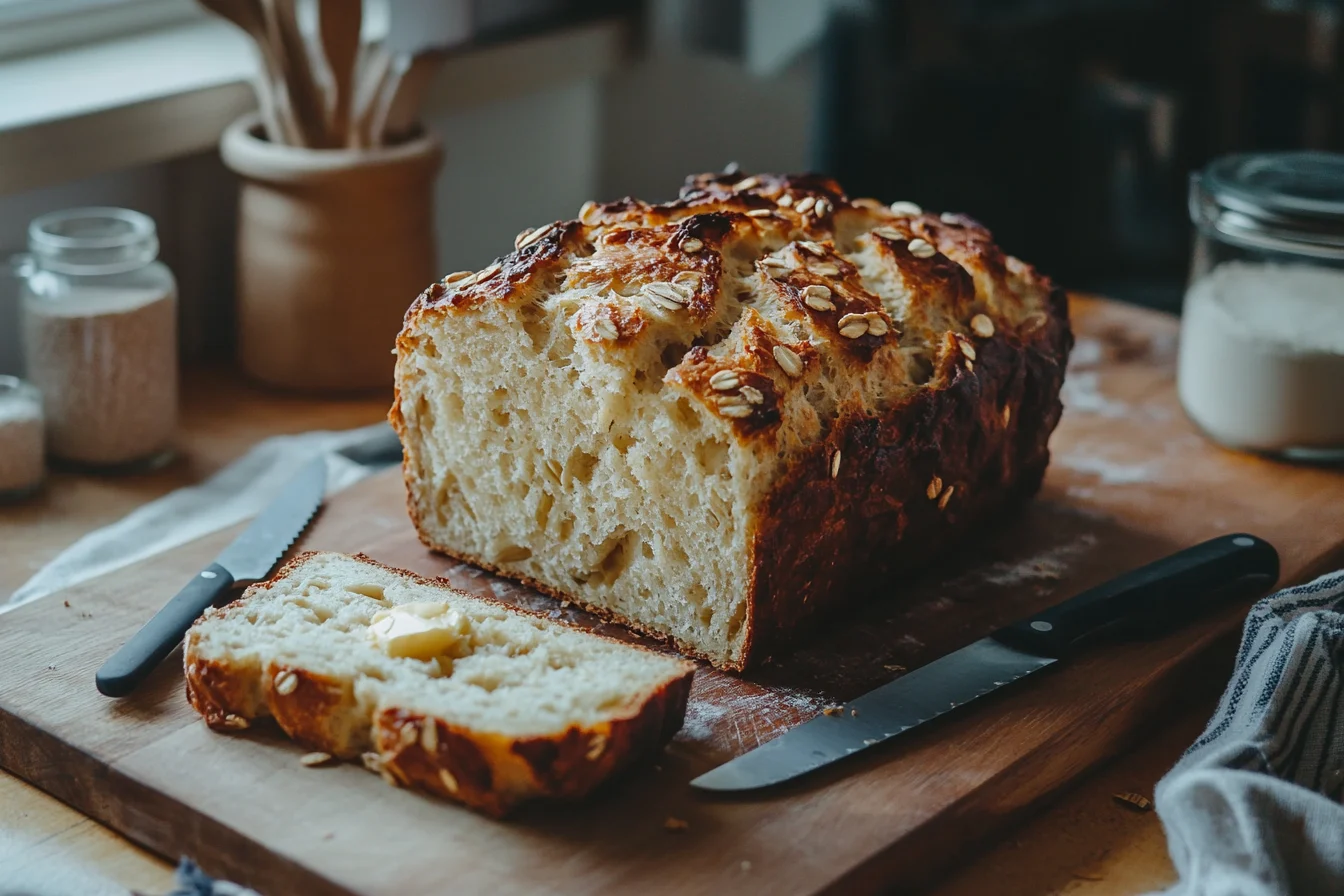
[
  {"x": 484, "y": 703},
  {"x": 611, "y": 411}
]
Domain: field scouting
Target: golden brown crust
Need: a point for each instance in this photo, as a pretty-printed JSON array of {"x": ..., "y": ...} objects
[
  {"x": 489, "y": 772},
  {"x": 214, "y": 692},
  {"x": 910, "y": 482},
  {"x": 495, "y": 774},
  {"x": 698, "y": 367},
  {"x": 309, "y": 712},
  {"x": 508, "y": 275}
]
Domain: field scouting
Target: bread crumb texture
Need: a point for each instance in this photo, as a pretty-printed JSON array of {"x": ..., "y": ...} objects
[
  {"x": 512, "y": 706},
  {"x": 627, "y": 409}
]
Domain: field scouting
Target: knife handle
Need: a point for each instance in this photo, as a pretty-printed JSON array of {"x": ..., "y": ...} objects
[
  {"x": 1154, "y": 598},
  {"x": 130, "y": 665}
]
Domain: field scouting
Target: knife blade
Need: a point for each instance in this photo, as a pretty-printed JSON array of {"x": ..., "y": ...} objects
[
  {"x": 249, "y": 558},
  {"x": 1154, "y": 598}
]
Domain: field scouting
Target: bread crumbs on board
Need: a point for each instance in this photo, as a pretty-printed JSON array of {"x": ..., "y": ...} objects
[{"x": 1135, "y": 802}]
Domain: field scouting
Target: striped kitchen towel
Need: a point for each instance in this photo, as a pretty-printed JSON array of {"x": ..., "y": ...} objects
[{"x": 1254, "y": 807}]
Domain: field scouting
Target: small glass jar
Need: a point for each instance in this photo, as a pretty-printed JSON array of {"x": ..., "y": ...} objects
[
  {"x": 98, "y": 315},
  {"x": 1262, "y": 333},
  {"x": 21, "y": 439}
]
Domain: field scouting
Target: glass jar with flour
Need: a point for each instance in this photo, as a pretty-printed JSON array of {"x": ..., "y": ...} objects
[
  {"x": 1262, "y": 334},
  {"x": 98, "y": 315}
]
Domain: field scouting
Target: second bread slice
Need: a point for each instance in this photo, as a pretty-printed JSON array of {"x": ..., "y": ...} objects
[{"x": 464, "y": 697}]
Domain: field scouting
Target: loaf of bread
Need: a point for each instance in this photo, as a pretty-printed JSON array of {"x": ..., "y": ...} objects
[
  {"x": 467, "y": 698},
  {"x": 720, "y": 418}
]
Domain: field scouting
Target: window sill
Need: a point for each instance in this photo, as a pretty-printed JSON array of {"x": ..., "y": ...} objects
[{"x": 136, "y": 100}]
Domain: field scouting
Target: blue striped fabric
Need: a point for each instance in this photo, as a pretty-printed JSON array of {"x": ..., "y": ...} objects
[{"x": 1254, "y": 806}]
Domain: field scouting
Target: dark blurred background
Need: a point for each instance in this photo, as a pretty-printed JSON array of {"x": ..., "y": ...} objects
[
  {"x": 1068, "y": 126},
  {"x": 1071, "y": 125}
]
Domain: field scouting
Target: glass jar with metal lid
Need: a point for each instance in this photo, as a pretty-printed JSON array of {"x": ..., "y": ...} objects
[{"x": 1262, "y": 335}]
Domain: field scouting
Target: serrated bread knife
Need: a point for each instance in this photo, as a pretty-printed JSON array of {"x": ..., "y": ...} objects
[
  {"x": 1152, "y": 599},
  {"x": 248, "y": 559}
]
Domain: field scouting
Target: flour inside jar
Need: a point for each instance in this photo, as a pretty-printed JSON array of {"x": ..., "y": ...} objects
[
  {"x": 105, "y": 360},
  {"x": 1262, "y": 356}
]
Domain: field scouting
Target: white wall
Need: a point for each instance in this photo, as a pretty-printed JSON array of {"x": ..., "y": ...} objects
[
  {"x": 677, "y": 110},
  {"x": 672, "y": 115},
  {"x": 512, "y": 165}
]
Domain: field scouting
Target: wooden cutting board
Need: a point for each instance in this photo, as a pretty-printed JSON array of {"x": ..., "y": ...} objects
[{"x": 1130, "y": 481}]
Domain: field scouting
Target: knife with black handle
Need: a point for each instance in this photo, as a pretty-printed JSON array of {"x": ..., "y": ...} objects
[
  {"x": 249, "y": 558},
  {"x": 1150, "y": 600},
  {"x": 1163, "y": 595}
]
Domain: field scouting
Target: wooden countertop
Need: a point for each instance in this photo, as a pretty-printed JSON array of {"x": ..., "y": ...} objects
[{"x": 1084, "y": 843}]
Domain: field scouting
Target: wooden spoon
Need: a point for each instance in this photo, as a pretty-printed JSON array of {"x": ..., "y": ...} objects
[
  {"x": 271, "y": 98},
  {"x": 296, "y": 70},
  {"x": 339, "y": 23},
  {"x": 375, "y": 65}
]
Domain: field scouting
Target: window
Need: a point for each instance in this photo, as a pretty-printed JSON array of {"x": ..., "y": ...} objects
[{"x": 35, "y": 26}]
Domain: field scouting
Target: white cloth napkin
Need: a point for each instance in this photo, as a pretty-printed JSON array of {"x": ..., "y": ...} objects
[
  {"x": 1254, "y": 807},
  {"x": 235, "y": 493}
]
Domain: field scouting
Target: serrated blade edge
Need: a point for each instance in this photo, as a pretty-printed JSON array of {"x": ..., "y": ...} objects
[
  {"x": 253, "y": 554},
  {"x": 879, "y": 715}
]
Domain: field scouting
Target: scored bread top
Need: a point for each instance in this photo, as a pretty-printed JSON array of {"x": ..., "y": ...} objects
[{"x": 769, "y": 299}]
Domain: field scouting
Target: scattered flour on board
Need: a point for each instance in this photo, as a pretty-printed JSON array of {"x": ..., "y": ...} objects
[
  {"x": 1044, "y": 566},
  {"x": 504, "y": 588},
  {"x": 1086, "y": 352},
  {"x": 702, "y": 716},
  {"x": 466, "y": 569},
  {"x": 1081, "y": 392},
  {"x": 1110, "y": 472},
  {"x": 1152, "y": 348}
]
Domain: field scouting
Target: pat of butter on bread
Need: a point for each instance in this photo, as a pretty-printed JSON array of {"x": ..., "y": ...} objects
[{"x": 419, "y": 631}]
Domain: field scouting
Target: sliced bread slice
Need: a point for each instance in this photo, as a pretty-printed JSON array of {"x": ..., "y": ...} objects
[{"x": 464, "y": 697}]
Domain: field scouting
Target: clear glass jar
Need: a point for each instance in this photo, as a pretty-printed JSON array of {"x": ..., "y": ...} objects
[
  {"x": 98, "y": 315},
  {"x": 1262, "y": 333},
  {"x": 21, "y": 441}
]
